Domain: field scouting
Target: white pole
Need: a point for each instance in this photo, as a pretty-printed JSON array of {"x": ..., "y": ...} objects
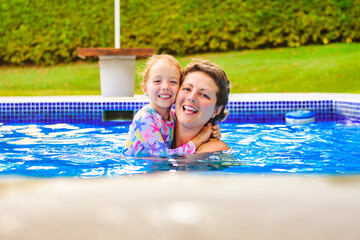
[{"x": 117, "y": 23}]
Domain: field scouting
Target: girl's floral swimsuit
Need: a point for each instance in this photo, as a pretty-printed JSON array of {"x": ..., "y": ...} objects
[{"x": 150, "y": 135}]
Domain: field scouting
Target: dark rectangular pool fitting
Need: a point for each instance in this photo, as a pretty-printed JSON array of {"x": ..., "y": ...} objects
[{"x": 118, "y": 115}]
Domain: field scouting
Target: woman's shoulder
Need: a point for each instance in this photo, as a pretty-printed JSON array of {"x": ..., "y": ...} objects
[{"x": 214, "y": 145}]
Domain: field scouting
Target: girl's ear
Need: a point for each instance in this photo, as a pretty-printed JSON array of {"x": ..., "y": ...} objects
[
  {"x": 143, "y": 87},
  {"x": 218, "y": 110}
]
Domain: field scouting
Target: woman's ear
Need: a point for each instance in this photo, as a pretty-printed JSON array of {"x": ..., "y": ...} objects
[{"x": 218, "y": 110}]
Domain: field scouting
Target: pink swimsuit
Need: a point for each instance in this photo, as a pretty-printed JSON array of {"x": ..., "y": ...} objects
[{"x": 150, "y": 135}]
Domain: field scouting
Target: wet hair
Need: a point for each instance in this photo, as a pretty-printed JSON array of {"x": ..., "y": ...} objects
[
  {"x": 221, "y": 80},
  {"x": 154, "y": 59}
]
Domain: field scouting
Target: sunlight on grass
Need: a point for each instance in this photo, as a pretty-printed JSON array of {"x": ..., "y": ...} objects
[
  {"x": 73, "y": 79},
  {"x": 330, "y": 68}
]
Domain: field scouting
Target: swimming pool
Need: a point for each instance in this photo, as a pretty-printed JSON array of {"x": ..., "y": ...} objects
[
  {"x": 179, "y": 204},
  {"x": 79, "y": 150},
  {"x": 49, "y": 137}
]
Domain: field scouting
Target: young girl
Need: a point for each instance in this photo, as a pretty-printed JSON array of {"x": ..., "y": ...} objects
[{"x": 152, "y": 130}]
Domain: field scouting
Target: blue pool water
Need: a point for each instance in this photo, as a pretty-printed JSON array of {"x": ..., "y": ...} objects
[{"x": 78, "y": 150}]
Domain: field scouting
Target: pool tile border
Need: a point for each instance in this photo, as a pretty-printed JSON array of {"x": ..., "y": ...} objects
[
  {"x": 243, "y": 108},
  {"x": 347, "y": 110}
]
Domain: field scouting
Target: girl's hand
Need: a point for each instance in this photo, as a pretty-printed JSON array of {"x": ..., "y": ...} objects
[{"x": 216, "y": 133}]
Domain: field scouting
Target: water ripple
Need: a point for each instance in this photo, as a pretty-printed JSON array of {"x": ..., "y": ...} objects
[{"x": 93, "y": 151}]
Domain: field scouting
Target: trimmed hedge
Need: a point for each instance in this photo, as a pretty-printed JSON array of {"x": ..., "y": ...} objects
[{"x": 48, "y": 32}]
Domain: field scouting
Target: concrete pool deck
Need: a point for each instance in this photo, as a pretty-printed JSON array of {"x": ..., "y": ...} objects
[{"x": 181, "y": 206}]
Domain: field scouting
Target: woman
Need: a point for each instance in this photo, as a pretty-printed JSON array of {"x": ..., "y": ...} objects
[{"x": 202, "y": 98}]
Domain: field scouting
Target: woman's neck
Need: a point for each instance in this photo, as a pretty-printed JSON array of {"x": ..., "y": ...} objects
[{"x": 184, "y": 135}]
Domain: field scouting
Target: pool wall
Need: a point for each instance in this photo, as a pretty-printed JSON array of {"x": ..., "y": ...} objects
[{"x": 243, "y": 108}]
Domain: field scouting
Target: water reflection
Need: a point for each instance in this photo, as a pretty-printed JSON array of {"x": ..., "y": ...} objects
[{"x": 199, "y": 163}]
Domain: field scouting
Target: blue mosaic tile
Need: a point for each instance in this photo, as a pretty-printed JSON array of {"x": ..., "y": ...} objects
[
  {"x": 346, "y": 110},
  {"x": 274, "y": 111},
  {"x": 239, "y": 111}
]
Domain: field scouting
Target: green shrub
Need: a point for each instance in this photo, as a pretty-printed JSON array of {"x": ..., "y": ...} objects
[{"x": 48, "y": 32}]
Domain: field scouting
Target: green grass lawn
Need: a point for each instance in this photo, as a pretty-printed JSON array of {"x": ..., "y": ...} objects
[{"x": 329, "y": 68}]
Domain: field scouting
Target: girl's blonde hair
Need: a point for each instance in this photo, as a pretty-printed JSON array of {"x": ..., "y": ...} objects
[{"x": 154, "y": 59}]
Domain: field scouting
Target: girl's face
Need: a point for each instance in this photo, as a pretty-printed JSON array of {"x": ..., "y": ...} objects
[
  {"x": 162, "y": 86},
  {"x": 196, "y": 100}
]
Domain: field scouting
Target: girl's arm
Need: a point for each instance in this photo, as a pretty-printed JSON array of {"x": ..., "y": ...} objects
[{"x": 202, "y": 136}]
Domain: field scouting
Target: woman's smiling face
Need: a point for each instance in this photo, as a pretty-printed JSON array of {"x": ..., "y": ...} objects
[{"x": 196, "y": 100}]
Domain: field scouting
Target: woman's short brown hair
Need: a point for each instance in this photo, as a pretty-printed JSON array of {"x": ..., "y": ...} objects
[{"x": 220, "y": 78}]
